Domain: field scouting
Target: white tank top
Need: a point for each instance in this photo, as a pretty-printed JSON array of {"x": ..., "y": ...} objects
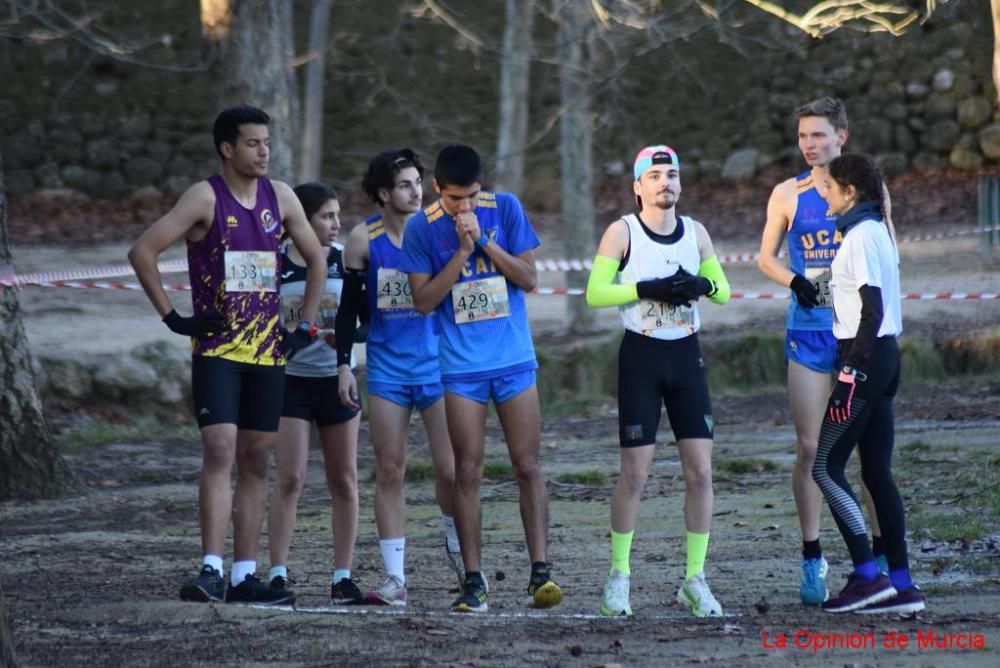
[{"x": 649, "y": 258}]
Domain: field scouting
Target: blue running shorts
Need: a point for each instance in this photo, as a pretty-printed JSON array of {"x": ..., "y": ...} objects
[
  {"x": 407, "y": 396},
  {"x": 813, "y": 349}
]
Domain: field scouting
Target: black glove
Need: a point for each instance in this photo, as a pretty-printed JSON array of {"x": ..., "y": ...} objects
[
  {"x": 294, "y": 341},
  {"x": 197, "y": 326},
  {"x": 660, "y": 289},
  {"x": 805, "y": 291},
  {"x": 689, "y": 288}
]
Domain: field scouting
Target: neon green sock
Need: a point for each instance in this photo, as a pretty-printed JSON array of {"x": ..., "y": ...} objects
[
  {"x": 621, "y": 546},
  {"x": 697, "y": 549}
]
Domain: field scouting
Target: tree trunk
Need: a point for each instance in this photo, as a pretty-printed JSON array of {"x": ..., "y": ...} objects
[
  {"x": 995, "y": 8},
  {"x": 256, "y": 69},
  {"x": 514, "y": 79},
  {"x": 311, "y": 155},
  {"x": 30, "y": 465},
  {"x": 575, "y": 136},
  {"x": 7, "y": 657}
]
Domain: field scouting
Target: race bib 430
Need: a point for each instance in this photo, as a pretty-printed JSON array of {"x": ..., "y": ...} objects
[{"x": 393, "y": 290}]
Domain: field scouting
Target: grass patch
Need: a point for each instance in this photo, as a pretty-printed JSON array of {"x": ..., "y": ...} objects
[
  {"x": 90, "y": 433},
  {"x": 917, "y": 446},
  {"x": 949, "y": 527},
  {"x": 591, "y": 477},
  {"x": 419, "y": 469},
  {"x": 498, "y": 471},
  {"x": 743, "y": 466},
  {"x": 749, "y": 361},
  {"x": 920, "y": 360}
]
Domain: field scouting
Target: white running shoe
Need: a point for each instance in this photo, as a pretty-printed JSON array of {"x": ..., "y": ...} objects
[
  {"x": 456, "y": 564},
  {"x": 392, "y": 592},
  {"x": 696, "y": 595},
  {"x": 614, "y": 603}
]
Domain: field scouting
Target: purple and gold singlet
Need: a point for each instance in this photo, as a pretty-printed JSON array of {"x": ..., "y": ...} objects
[{"x": 235, "y": 274}]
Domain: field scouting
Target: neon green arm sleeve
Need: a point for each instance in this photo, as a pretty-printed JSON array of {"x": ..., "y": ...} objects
[
  {"x": 712, "y": 270},
  {"x": 602, "y": 291}
]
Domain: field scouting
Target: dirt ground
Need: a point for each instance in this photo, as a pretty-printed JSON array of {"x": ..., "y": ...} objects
[{"x": 92, "y": 579}]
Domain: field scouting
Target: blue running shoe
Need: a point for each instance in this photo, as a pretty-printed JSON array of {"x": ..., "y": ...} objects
[
  {"x": 813, "y": 590},
  {"x": 883, "y": 564}
]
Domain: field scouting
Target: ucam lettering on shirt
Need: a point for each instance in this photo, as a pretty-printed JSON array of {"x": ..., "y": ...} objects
[{"x": 821, "y": 237}]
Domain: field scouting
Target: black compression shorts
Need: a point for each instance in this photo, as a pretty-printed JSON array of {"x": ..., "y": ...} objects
[
  {"x": 315, "y": 400},
  {"x": 653, "y": 373},
  {"x": 228, "y": 392}
]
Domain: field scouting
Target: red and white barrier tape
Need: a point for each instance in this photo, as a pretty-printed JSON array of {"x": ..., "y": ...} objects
[
  {"x": 45, "y": 277},
  {"x": 541, "y": 265},
  {"x": 909, "y": 296}
]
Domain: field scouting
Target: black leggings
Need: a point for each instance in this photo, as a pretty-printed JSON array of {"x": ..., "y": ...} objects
[{"x": 871, "y": 428}]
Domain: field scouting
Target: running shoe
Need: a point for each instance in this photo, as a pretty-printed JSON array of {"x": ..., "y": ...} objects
[
  {"x": 860, "y": 593},
  {"x": 281, "y": 582},
  {"x": 695, "y": 594},
  {"x": 252, "y": 590},
  {"x": 614, "y": 603},
  {"x": 474, "y": 594},
  {"x": 208, "y": 586},
  {"x": 883, "y": 564},
  {"x": 456, "y": 564},
  {"x": 345, "y": 592},
  {"x": 392, "y": 592},
  {"x": 813, "y": 589},
  {"x": 542, "y": 589},
  {"x": 907, "y": 602}
]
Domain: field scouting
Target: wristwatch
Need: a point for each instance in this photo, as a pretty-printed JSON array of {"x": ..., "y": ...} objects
[
  {"x": 309, "y": 328},
  {"x": 853, "y": 373}
]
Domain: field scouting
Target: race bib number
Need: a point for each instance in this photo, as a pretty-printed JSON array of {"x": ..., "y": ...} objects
[
  {"x": 291, "y": 311},
  {"x": 393, "y": 290},
  {"x": 661, "y": 315},
  {"x": 251, "y": 271},
  {"x": 482, "y": 299},
  {"x": 820, "y": 276}
]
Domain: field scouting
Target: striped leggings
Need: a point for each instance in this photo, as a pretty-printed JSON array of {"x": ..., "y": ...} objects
[{"x": 871, "y": 427}]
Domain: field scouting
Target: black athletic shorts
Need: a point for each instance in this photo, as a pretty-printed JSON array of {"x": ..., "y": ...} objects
[
  {"x": 653, "y": 373},
  {"x": 315, "y": 400},
  {"x": 228, "y": 392}
]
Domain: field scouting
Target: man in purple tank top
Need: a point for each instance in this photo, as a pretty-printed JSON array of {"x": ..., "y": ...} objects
[{"x": 232, "y": 222}]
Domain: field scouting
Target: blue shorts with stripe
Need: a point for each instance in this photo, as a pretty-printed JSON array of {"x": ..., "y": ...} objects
[
  {"x": 813, "y": 349},
  {"x": 501, "y": 388},
  {"x": 407, "y": 396}
]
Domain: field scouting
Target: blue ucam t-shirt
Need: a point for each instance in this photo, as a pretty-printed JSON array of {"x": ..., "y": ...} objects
[
  {"x": 484, "y": 318},
  {"x": 813, "y": 241},
  {"x": 402, "y": 345}
]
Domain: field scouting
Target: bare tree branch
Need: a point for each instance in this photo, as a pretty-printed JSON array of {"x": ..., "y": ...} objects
[{"x": 57, "y": 24}]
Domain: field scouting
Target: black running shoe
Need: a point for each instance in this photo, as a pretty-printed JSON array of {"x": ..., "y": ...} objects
[
  {"x": 208, "y": 586},
  {"x": 252, "y": 590},
  {"x": 345, "y": 592},
  {"x": 474, "y": 595},
  {"x": 543, "y": 592},
  {"x": 281, "y": 582}
]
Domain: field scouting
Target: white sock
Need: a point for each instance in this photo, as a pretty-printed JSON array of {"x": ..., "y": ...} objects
[
  {"x": 450, "y": 533},
  {"x": 277, "y": 571},
  {"x": 393, "y": 555},
  {"x": 213, "y": 560},
  {"x": 241, "y": 569},
  {"x": 341, "y": 574}
]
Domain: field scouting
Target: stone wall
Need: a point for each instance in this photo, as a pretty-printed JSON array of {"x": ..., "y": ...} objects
[{"x": 70, "y": 118}]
